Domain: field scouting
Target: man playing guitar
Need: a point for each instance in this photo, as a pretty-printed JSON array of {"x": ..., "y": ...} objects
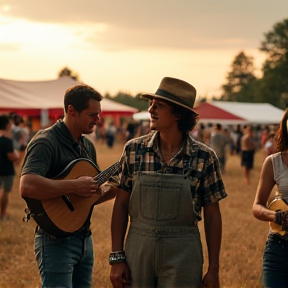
[{"x": 66, "y": 261}]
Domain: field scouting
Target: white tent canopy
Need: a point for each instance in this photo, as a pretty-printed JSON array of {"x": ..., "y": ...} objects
[
  {"x": 142, "y": 115},
  {"x": 251, "y": 113},
  {"x": 46, "y": 95},
  {"x": 254, "y": 113}
]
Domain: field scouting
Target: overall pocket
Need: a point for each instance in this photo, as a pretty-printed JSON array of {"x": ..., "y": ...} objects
[{"x": 160, "y": 201}]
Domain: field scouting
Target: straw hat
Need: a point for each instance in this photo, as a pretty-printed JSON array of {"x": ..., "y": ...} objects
[{"x": 176, "y": 91}]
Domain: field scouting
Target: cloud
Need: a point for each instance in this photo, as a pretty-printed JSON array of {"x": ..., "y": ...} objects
[{"x": 148, "y": 24}]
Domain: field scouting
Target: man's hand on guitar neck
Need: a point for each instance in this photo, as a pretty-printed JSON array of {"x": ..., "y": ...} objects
[{"x": 86, "y": 186}]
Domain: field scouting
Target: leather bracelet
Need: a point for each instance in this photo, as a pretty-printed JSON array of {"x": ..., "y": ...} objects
[{"x": 117, "y": 257}]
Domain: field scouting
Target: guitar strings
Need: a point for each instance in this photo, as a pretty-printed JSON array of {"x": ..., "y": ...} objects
[{"x": 101, "y": 178}]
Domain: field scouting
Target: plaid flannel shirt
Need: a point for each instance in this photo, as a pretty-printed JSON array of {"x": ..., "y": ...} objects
[{"x": 197, "y": 160}]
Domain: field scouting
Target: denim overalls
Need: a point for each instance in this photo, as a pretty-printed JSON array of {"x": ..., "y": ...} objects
[{"x": 163, "y": 246}]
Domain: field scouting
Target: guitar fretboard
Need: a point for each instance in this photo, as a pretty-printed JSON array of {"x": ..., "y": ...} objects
[{"x": 104, "y": 175}]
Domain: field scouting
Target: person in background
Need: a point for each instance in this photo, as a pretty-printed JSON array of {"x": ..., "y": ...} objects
[
  {"x": 257, "y": 136},
  {"x": 232, "y": 143},
  {"x": 207, "y": 133},
  {"x": 25, "y": 131},
  {"x": 264, "y": 135},
  {"x": 98, "y": 127},
  {"x": 167, "y": 178},
  {"x": 16, "y": 131},
  {"x": 110, "y": 132},
  {"x": 198, "y": 132},
  {"x": 269, "y": 146},
  {"x": 67, "y": 261},
  {"x": 101, "y": 130},
  {"x": 239, "y": 135},
  {"x": 226, "y": 132},
  {"x": 274, "y": 174},
  {"x": 131, "y": 131},
  {"x": 8, "y": 155},
  {"x": 247, "y": 153},
  {"x": 218, "y": 142}
]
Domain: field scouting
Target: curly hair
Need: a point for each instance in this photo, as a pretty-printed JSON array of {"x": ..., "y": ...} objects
[
  {"x": 281, "y": 137},
  {"x": 187, "y": 118}
]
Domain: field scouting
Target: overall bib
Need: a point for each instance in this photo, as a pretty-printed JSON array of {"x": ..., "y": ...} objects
[{"x": 163, "y": 246}]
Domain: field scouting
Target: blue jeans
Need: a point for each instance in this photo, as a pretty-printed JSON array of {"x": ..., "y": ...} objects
[
  {"x": 64, "y": 262},
  {"x": 275, "y": 263}
]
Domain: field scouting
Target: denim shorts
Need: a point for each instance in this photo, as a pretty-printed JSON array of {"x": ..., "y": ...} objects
[
  {"x": 275, "y": 262},
  {"x": 64, "y": 262}
]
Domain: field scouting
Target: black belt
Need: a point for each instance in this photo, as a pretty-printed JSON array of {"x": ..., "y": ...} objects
[
  {"x": 82, "y": 233},
  {"x": 277, "y": 237}
]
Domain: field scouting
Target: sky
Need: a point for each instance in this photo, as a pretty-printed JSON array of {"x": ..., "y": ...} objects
[{"x": 130, "y": 45}]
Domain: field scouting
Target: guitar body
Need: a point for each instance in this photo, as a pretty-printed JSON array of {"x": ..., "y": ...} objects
[
  {"x": 278, "y": 204},
  {"x": 54, "y": 215}
]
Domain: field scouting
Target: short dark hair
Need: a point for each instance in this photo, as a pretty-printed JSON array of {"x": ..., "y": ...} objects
[
  {"x": 219, "y": 126},
  {"x": 4, "y": 121},
  {"x": 79, "y": 95},
  {"x": 187, "y": 118}
]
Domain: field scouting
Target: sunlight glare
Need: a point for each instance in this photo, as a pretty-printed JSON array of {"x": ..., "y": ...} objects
[
  {"x": 5, "y": 8},
  {"x": 41, "y": 34}
]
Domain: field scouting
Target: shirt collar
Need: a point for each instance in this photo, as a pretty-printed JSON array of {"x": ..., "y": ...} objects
[
  {"x": 188, "y": 149},
  {"x": 66, "y": 133}
]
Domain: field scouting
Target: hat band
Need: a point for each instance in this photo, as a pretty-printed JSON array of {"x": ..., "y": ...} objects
[{"x": 171, "y": 96}]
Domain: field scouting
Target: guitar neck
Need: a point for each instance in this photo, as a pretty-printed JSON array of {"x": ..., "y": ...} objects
[{"x": 106, "y": 174}]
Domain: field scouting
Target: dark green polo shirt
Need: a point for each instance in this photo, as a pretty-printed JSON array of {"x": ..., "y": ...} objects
[{"x": 52, "y": 149}]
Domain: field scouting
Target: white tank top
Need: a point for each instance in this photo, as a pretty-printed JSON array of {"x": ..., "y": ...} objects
[{"x": 280, "y": 175}]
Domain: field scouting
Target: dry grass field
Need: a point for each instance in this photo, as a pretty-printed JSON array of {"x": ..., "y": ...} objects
[{"x": 242, "y": 244}]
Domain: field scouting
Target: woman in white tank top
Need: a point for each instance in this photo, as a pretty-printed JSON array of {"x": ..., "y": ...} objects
[{"x": 275, "y": 173}]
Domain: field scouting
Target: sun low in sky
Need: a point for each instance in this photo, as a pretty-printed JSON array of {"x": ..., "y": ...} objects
[{"x": 130, "y": 45}]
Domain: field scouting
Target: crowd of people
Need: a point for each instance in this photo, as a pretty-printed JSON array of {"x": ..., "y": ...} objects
[
  {"x": 14, "y": 137},
  {"x": 242, "y": 140},
  {"x": 106, "y": 132},
  {"x": 170, "y": 179}
]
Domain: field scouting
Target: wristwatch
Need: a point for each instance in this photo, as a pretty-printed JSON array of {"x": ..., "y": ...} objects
[{"x": 117, "y": 257}]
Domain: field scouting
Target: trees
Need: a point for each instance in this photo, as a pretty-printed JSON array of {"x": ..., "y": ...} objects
[
  {"x": 276, "y": 44},
  {"x": 129, "y": 100},
  {"x": 239, "y": 79},
  {"x": 68, "y": 72},
  {"x": 275, "y": 69},
  {"x": 272, "y": 87}
]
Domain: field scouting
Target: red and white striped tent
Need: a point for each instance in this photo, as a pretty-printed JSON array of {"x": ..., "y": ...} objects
[{"x": 35, "y": 98}]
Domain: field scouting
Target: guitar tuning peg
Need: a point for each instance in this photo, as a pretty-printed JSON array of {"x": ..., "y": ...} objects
[
  {"x": 27, "y": 210},
  {"x": 25, "y": 219},
  {"x": 28, "y": 215}
]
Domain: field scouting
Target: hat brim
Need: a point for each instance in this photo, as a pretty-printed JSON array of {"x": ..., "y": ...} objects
[{"x": 151, "y": 95}]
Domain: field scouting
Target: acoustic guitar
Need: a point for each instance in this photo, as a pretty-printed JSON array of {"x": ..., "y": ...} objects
[
  {"x": 277, "y": 204},
  {"x": 63, "y": 215}
]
